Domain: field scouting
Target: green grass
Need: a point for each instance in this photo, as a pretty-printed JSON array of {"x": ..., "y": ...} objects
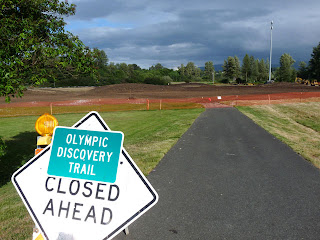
[
  {"x": 148, "y": 135},
  {"x": 298, "y": 125},
  {"x": 15, "y": 222}
]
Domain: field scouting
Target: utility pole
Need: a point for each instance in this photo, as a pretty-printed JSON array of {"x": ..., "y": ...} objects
[{"x": 270, "y": 51}]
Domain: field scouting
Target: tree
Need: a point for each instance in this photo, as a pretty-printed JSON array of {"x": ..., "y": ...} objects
[
  {"x": 158, "y": 66},
  {"x": 255, "y": 70},
  {"x": 123, "y": 67},
  {"x": 252, "y": 70},
  {"x": 174, "y": 75},
  {"x": 197, "y": 74},
  {"x": 286, "y": 72},
  {"x": 190, "y": 69},
  {"x": 35, "y": 47},
  {"x": 246, "y": 67},
  {"x": 192, "y": 72},
  {"x": 263, "y": 71},
  {"x": 303, "y": 71},
  {"x": 314, "y": 63},
  {"x": 230, "y": 69},
  {"x": 209, "y": 70},
  {"x": 237, "y": 66},
  {"x": 101, "y": 58},
  {"x": 268, "y": 68},
  {"x": 135, "y": 66},
  {"x": 182, "y": 72}
]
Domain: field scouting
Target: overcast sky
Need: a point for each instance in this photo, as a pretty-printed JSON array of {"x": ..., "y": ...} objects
[{"x": 172, "y": 32}]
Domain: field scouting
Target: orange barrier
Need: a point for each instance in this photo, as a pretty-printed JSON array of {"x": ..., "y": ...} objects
[{"x": 235, "y": 100}]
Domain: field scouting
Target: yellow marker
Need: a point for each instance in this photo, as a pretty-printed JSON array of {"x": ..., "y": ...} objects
[
  {"x": 45, "y": 124},
  {"x": 39, "y": 237},
  {"x": 44, "y": 140}
]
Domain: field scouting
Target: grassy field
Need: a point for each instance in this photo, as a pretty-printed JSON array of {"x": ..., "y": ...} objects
[
  {"x": 148, "y": 135},
  {"x": 298, "y": 125}
]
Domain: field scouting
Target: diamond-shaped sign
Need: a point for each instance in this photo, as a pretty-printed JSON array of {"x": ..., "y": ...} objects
[{"x": 76, "y": 208}]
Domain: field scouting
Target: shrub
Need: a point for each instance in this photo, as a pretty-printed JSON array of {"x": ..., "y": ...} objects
[
  {"x": 155, "y": 81},
  {"x": 240, "y": 81},
  {"x": 166, "y": 79},
  {"x": 197, "y": 79},
  {"x": 225, "y": 80}
]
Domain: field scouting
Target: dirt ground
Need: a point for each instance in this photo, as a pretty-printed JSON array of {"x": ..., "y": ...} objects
[{"x": 135, "y": 91}]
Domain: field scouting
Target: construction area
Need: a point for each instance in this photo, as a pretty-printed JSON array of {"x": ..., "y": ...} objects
[{"x": 132, "y": 96}]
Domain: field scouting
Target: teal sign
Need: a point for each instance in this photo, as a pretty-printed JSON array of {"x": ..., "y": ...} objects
[{"x": 84, "y": 154}]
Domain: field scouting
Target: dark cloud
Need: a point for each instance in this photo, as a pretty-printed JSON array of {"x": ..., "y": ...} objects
[
  {"x": 176, "y": 31},
  {"x": 86, "y": 10}
]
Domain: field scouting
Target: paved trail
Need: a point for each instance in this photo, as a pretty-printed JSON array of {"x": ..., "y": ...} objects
[{"x": 227, "y": 178}]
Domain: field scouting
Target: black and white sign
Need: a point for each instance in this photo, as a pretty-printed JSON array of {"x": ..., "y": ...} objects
[{"x": 73, "y": 208}]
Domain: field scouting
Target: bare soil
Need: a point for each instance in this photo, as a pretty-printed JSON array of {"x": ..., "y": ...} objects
[{"x": 175, "y": 91}]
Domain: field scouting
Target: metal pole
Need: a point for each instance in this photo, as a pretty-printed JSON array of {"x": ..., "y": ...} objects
[{"x": 270, "y": 50}]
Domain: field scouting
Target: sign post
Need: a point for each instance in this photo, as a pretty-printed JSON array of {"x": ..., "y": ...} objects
[{"x": 84, "y": 185}]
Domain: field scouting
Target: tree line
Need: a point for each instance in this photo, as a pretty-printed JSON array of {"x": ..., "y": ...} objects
[
  {"x": 249, "y": 70},
  {"x": 107, "y": 73}
]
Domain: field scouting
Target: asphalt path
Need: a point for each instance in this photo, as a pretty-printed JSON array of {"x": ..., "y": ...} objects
[{"x": 227, "y": 178}]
